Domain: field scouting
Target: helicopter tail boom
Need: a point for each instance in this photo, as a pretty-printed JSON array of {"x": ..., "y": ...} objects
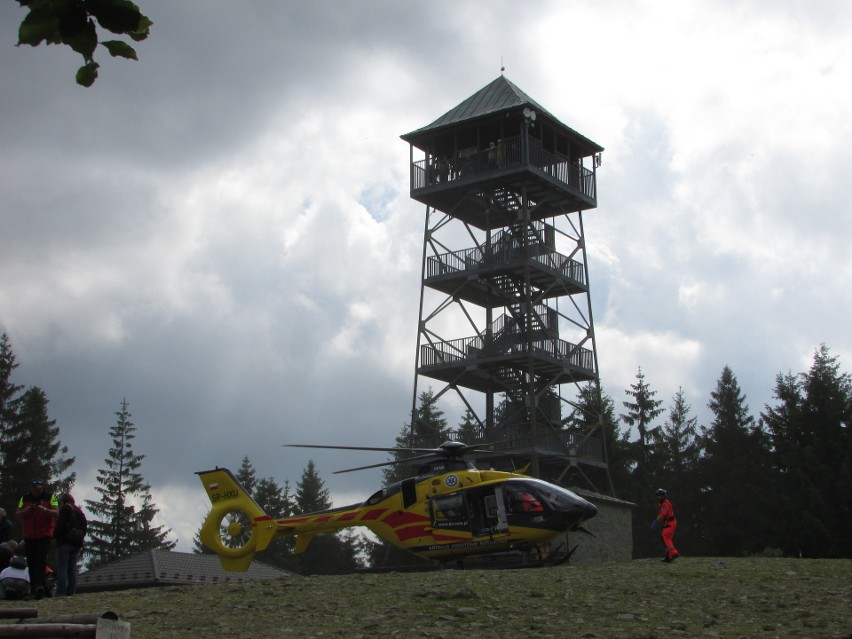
[{"x": 236, "y": 527}]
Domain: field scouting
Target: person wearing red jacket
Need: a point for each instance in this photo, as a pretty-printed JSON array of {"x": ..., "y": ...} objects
[
  {"x": 666, "y": 519},
  {"x": 38, "y": 509}
]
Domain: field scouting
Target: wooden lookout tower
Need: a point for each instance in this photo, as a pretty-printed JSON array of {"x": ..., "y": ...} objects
[{"x": 505, "y": 310}]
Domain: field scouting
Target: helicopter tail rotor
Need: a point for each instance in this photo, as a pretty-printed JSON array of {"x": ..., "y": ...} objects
[{"x": 236, "y": 527}]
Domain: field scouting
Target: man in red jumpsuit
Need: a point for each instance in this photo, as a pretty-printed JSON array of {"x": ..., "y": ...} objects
[{"x": 666, "y": 519}]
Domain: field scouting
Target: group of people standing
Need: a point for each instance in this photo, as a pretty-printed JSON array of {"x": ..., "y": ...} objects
[{"x": 44, "y": 518}]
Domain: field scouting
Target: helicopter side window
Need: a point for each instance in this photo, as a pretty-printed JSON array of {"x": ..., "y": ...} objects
[
  {"x": 490, "y": 502},
  {"x": 449, "y": 511},
  {"x": 376, "y": 497},
  {"x": 521, "y": 500},
  {"x": 382, "y": 493}
]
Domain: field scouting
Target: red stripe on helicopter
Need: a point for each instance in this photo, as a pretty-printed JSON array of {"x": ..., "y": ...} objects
[
  {"x": 374, "y": 514},
  {"x": 413, "y": 531},
  {"x": 444, "y": 537},
  {"x": 348, "y": 516},
  {"x": 398, "y": 519}
]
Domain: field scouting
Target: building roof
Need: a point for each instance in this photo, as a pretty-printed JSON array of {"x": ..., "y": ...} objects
[
  {"x": 498, "y": 96},
  {"x": 593, "y": 496},
  {"x": 166, "y": 568}
]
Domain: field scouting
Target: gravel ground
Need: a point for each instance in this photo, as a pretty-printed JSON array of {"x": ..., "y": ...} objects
[{"x": 693, "y": 597}]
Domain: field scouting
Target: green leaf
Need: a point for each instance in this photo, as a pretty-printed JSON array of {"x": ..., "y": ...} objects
[
  {"x": 143, "y": 31},
  {"x": 118, "y": 16},
  {"x": 119, "y": 49},
  {"x": 87, "y": 74},
  {"x": 37, "y": 26},
  {"x": 72, "y": 21},
  {"x": 83, "y": 41}
]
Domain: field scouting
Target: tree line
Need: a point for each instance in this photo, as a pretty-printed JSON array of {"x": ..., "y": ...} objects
[{"x": 778, "y": 483}]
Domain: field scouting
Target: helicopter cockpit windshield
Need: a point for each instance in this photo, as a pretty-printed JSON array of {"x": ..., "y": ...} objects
[{"x": 534, "y": 495}]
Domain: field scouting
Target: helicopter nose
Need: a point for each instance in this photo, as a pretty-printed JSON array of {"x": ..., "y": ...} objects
[
  {"x": 589, "y": 510},
  {"x": 582, "y": 509},
  {"x": 575, "y": 510}
]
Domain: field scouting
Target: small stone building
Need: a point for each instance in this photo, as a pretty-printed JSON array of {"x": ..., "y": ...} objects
[
  {"x": 612, "y": 529},
  {"x": 167, "y": 568}
]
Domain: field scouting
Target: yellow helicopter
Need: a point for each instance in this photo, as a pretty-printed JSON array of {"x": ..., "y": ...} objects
[{"x": 449, "y": 510}]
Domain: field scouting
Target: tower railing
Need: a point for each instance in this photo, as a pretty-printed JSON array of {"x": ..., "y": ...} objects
[
  {"x": 473, "y": 259},
  {"x": 505, "y": 153},
  {"x": 477, "y": 347},
  {"x": 559, "y": 167}
]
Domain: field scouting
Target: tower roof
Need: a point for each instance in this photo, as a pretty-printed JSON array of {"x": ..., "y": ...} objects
[{"x": 498, "y": 96}]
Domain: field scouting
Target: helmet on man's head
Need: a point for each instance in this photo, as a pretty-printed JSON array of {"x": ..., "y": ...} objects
[{"x": 661, "y": 492}]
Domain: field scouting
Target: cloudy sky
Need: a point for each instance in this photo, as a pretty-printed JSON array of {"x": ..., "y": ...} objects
[{"x": 221, "y": 233}]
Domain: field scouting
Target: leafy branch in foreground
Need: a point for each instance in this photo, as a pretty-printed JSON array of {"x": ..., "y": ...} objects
[{"x": 72, "y": 22}]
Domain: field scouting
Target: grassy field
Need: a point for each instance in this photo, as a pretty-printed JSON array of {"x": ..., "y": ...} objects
[{"x": 693, "y": 597}]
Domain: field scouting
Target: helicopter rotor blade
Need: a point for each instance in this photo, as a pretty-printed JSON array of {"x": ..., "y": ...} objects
[
  {"x": 448, "y": 450},
  {"x": 393, "y": 462},
  {"x": 372, "y": 448}
]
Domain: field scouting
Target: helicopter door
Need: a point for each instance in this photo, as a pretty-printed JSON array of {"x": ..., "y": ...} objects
[
  {"x": 500, "y": 511},
  {"x": 487, "y": 512},
  {"x": 409, "y": 492}
]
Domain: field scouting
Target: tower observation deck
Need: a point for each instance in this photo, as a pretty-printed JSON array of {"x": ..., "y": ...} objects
[{"x": 505, "y": 309}]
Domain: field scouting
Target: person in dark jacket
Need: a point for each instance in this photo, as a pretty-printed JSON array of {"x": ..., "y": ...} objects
[
  {"x": 7, "y": 528},
  {"x": 38, "y": 510},
  {"x": 69, "y": 533},
  {"x": 15, "y": 579},
  {"x": 8, "y": 549}
]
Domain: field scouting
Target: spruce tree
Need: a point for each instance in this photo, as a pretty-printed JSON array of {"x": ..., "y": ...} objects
[
  {"x": 10, "y": 397},
  {"x": 276, "y": 501},
  {"x": 247, "y": 476},
  {"x": 9, "y": 392},
  {"x": 468, "y": 428},
  {"x": 811, "y": 431},
  {"x": 33, "y": 449},
  {"x": 734, "y": 475},
  {"x": 642, "y": 410},
  {"x": 197, "y": 547},
  {"x": 678, "y": 441},
  {"x": 594, "y": 409},
  {"x": 647, "y": 461},
  {"x": 311, "y": 493},
  {"x": 328, "y": 553},
  {"x": 121, "y": 522},
  {"x": 429, "y": 430},
  {"x": 679, "y": 447}
]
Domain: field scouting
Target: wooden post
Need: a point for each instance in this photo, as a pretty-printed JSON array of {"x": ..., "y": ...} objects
[
  {"x": 18, "y": 613},
  {"x": 47, "y": 630},
  {"x": 82, "y": 617}
]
